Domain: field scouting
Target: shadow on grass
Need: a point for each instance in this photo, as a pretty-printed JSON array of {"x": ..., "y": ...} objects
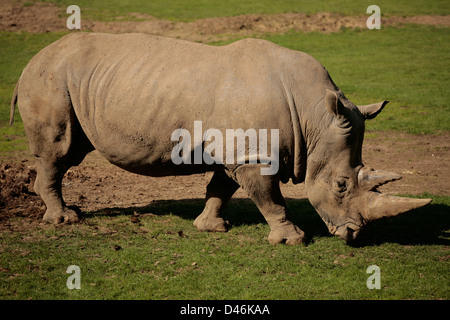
[{"x": 425, "y": 226}]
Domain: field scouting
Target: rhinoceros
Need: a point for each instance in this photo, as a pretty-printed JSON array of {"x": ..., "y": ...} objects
[{"x": 125, "y": 95}]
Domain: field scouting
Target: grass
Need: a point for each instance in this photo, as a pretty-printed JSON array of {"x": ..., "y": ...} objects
[
  {"x": 180, "y": 10},
  {"x": 165, "y": 257}
]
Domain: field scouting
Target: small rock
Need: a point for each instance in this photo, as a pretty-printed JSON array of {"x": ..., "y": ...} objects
[{"x": 134, "y": 219}]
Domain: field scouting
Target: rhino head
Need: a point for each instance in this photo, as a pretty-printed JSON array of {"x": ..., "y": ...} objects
[{"x": 342, "y": 190}]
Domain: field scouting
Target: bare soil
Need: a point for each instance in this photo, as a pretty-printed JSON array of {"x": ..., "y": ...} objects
[{"x": 47, "y": 17}]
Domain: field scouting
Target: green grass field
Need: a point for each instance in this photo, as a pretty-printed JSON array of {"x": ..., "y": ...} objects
[{"x": 164, "y": 257}]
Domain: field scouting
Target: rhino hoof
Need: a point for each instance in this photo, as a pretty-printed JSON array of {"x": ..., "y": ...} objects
[
  {"x": 211, "y": 224},
  {"x": 293, "y": 236},
  {"x": 65, "y": 216}
]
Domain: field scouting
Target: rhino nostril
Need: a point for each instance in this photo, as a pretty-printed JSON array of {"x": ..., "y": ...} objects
[{"x": 350, "y": 234}]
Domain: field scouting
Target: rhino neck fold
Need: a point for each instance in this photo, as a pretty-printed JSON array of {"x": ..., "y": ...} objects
[
  {"x": 313, "y": 120},
  {"x": 299, "y": 165}
]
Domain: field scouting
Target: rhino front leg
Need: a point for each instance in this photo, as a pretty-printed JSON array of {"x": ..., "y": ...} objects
[
  {"x": 219, "y": 190},
  {"x": 265, "y": 192}
]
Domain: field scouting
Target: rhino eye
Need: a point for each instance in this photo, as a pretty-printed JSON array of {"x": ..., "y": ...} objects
[{"x": 341, "y": 185}]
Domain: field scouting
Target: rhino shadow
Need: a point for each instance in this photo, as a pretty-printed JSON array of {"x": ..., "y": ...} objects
[{"x": 425, "y": 226}]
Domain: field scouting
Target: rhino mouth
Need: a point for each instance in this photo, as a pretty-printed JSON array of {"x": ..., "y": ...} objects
[{"x": 347, "y": 231}]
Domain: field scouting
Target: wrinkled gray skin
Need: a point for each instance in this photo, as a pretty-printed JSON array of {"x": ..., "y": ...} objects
[{"x": 124, "y": 95}]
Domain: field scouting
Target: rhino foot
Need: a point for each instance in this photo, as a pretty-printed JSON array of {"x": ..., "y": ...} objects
[
  {"x": 205, "y": 222},
  {"x": 218, "y": 192},
  {"x": 290, "y": 235},
  {"x": 57, "y": 217}
]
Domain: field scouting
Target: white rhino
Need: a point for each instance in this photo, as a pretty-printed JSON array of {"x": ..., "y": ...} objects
[{"x": 124, "y": 95}]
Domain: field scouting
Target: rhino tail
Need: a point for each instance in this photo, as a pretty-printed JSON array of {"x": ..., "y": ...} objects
[{"x": 13, "y": 104}]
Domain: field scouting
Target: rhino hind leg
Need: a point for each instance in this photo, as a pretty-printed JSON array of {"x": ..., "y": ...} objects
[
  {"x": 58, "y": 143},
  {"x": 218, "y": 192},
  {"x": 50, "y": 172},
  {"x": 265, "y": 192}
]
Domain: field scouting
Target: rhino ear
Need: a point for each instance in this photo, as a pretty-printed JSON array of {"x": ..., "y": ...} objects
[
  {"x": 370, "y": 111},
  {"x": 333, "y": 104}
]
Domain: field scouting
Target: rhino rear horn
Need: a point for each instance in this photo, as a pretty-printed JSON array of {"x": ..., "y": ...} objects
[
  {"x": 370, "y": 111},
  {"x": 370, "y": 179}
]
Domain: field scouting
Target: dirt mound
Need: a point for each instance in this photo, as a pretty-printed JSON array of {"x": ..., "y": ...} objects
[
  {"x": 47, "y": 17},
  {"x": 17, "y": 197},
  {"x": 211, "y": 29},
  {"x": 35, "y": 18},
  {"x": 432, "y": 20}
]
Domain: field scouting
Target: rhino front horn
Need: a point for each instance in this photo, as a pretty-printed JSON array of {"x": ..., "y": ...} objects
[{"x": 379, "y": 205}]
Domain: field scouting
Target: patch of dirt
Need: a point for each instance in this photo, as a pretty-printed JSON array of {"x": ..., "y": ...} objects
[
  {"x": 432, "y": 20},
  {"x": 422, "y": 160},
  {"x": 36, "y": 18},
  {"x": 47, "y": 17},
  {"x": 95, "y": 184},
  {"x": 213, "y": 29},
  {"x": 17, "y": 197}
]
